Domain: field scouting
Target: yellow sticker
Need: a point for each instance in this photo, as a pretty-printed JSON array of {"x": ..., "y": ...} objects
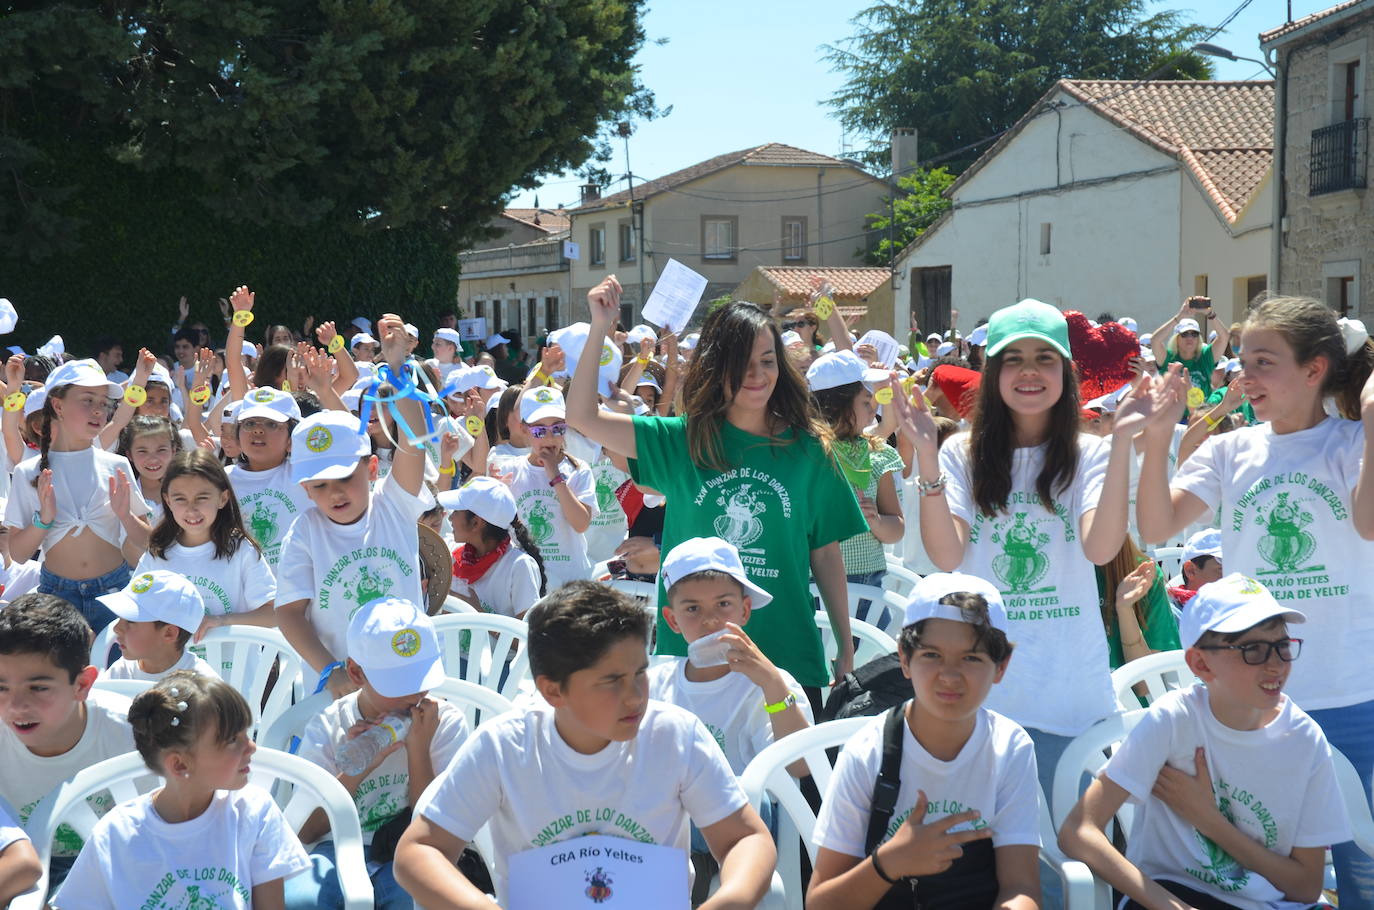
[
  {"x": 200, "y": 394},
  {"x": 607, "y": 353},
  {"x": 543, "y": 395},
  {"x": 264, "y": 394},
  {"x": 474, "y": 424},
  {"x": 336, "y": 344},
  {"x": 135, "y": 395},
  {"x": 883, "y": 395},
  {"x": 14, "y": 401},
  {"x": 142, "y": 583},
  {"x": 1195, "y": 398},
  {"x": 908, "y": 383},
  {"x": 406, "y": 643},
  {"x": 319, "y": 439},
  {"x": 824, "y": 307},
  {"x": 243, "y": 318}
]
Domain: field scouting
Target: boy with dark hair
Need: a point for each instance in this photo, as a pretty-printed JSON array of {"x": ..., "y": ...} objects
[
  {"x": 158, "y": 613},
  {"x": 960, "y": 824},
  {"x": 1237, "y": 795},
  {"x": 599, "y": 757},
  {"x": 54, "y": 724}
]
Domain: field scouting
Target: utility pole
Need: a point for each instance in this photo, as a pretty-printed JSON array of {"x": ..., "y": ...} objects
[{"x": 636, "y": 212}]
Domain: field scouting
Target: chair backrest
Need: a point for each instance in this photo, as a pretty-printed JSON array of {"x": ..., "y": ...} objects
[
  {"x": 478, "y": 703},
  {"x": 125, "y": 775},
  {"x": 244, "y": 657},
  {"x": 883, "y": 609},
  {"x": 645, "y": 591},
  {"x": 291, "y": 723},
  {"x": 872, "y": 641},
  {"x": 129, "y": 688},
  {"x": 767, "y": 778},
  {"x": 899, "y": 579},
  {"x": 483, "y": 648},
  {"x": 100, "y": 648},
  {"x": 1170, "y": 559},
  {"x": 1159, "y": 672},
  {"x": 1356, "y": 802},
  {"x": 1085, "y": 756}
]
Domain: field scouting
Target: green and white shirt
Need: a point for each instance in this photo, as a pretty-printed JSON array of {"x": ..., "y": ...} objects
[{"x": 862, "y": 552}]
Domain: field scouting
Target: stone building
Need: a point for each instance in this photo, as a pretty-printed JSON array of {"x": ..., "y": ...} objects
[{"x": 1325, "y": 245}]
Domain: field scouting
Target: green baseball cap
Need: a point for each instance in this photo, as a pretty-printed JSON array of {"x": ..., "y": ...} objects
[{"x": 1028, "y": 319}]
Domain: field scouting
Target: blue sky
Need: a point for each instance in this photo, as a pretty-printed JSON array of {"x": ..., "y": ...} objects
[{"x": 740, "y": 73}]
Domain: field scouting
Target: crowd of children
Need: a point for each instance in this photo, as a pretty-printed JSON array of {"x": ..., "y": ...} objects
[{"x": 758, "y": 482}]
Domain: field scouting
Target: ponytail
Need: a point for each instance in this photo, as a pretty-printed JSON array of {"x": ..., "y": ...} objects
[
  {"x": 1350, "y": 380},
  {"x": 44, "y": 436},
  {"x": 526, "y": 543}
]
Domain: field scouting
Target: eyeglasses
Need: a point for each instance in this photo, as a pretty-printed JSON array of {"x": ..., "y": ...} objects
[
  {"x": 793, "y": 326},
  {"x": 557, "y": 429},
  {"x": 1189, "y": 334},
  {"x": 1257, "y": 652}
]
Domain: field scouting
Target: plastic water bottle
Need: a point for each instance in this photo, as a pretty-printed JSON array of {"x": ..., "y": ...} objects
[{"x": 357, "y": 753}]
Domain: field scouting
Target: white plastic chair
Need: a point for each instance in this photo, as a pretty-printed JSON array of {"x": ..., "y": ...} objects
[
  {"x": 885, "y": 610},
  {"x": 873, "y": 642},
  {"x": 1160, "y": 672},
  {"x": 100, "y": 649},
  {"x": 1170, "y": 559},
  {"x": 312, "y": 788},
  {"x": 1356, "y": 802},
  {"x": 491, "y": 640},
  {"x": 129, "y": 688},
  {"x": 899, "y": 579}
]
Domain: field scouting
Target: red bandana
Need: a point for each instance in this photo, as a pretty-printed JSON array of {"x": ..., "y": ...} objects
[{"x": 470, "y": 567}]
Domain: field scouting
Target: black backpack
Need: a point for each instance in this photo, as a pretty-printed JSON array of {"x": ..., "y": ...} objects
[{"x": 868, "y": 690}]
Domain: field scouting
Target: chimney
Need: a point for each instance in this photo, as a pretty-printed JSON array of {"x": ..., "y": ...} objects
[
  {"x": 590, "y": 193},
  {"x": 904, "y": 156}
]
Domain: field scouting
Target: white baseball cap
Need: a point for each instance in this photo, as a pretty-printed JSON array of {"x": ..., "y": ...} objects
[
  {"x": 841, "y": 368},
  {"x": 790, "y": 338},
  {"x": 647, "y": 378},
  {"x": 486, "y": 497},
  {"x": 84, "y": 373},
  {"x": 536, "y": 404},
  {"x": 1145, "y": 339},
  {"x": 1232, "y": 365},
  {"x": 9, "y": 316},
  {"x": 158, "y": 596},
  {"x": 250, "y": 349},
  {"x": 1230, "y": 604},
  {"x": 640, "y": 333},
  {"x": 396, "y": 645},
  {"x": 360, "y": 338},
  {"x": 159, "y": 375},
  {"x": 34, "y": 402},
  {"x": 572, "y": 339},
  {"x": 1186, "y": 325},
  {"x": 362, "y": 323},
  {"x": 449, "y": 335},
  {"x": 689, "y": 342},
  {"x": 269, "y": 402},
  {"x": 929, "y": 591},
  {"x": 1127, "y": 322},
  {"x": 1206, "y": 542},
  {"x": 495, "y": 340},
  {"x": 327, "y": 446},
  {"x": 701, "y": 554},
  {"x": 946, "y": 347},
  {"x": 412, "y": 331},
  {"x": 231, "y": 412},
  {"x": 979, "y": 335}
]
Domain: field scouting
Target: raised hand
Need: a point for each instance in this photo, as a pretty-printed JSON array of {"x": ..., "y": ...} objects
[
  {"x": 119, "y": 494},
  {"x": 1137, "y": 584},
  {"x": 47, "y": 497},
  {"x": 603, "y": 301},
  {"x": 14, "y": 372},
  {"x": 927, "y": 849},
  {"x": 183, "y": 309},
  {"x": 325, "y": 332},
  {"x": 242, "y": 298},
  {"x": 391, "y": 330},
  {"x": 914, "y": 419},
  {"x": 143, "y": 367}
]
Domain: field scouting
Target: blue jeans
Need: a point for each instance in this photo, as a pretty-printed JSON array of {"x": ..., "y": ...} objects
[
  {"x": 82, "y": 594},
  {"x": 1049, "y": 748},
  {"x": 1351, "y": 730},
  {"x": 318, "y": 886},
  {"x": 872, "y": 579}
]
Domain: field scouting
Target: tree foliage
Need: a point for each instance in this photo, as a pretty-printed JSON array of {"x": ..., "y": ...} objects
[
  {"x": 960, "y": 71},
  {"x": 918, "y": 204},
  {"x": 347, "y": 114}
]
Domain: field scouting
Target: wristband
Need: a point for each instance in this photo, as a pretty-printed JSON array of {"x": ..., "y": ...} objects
[
  {"x": 474, "y": 424},
  {"x": 14, "y": 401},
  {"x": 781, "y": 706},
  {"x": 882, "y": 874},
  {"x": 557, "y": 479},
  {"x": 883, "y": 395},
  {"x": 643, "y": 361},
  {"x": 135, "y": 395},
  {"x": 540, "y": 375},
  {"x": 1211, "y": 424},
  {"x": 200, "y": 394},
  {"x": 38, "y": 521},
  {"x": 329, "y": 670},
  {"x": 243, "y": 318},
  {"x": 336, "y": 344},
  {"x": 450, "y": 470}
]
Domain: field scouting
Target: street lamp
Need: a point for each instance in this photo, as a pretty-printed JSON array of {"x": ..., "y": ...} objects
[{"x": 1216, "y": 50}]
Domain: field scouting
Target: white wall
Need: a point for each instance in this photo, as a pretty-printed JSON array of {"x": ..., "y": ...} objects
[{"x": 1208, "y": 248}]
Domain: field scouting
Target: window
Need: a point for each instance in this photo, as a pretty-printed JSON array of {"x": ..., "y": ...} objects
[
  {"x": 479, "y": 309},
  {"x": 719, "y": 237},
  {"x": 1046, "y": 230},
  {"x": 1200, "y": 285},
  {"x": 1351, "y": 94},
  {"x": 1255, "y": 286},
  {"x": 596, "y": 242},
  {"x": 495, "y": 326},
  {"x": 627, "y": 316},
  {"x": 627, "y": 241},
  {"x": 1342, "y": 285},
  {"x": 550, "y": 313},
  {"x": 793, "y": 239},
  {"x": 531, "y": 310}
]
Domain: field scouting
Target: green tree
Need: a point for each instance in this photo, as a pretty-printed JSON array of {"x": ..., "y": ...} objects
[
  {"x": 920, "y": 203},
  {"x": 960, "y": 71}
]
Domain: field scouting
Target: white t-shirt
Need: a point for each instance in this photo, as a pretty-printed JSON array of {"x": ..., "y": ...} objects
[
  {"x": 563, "y": 550},
  {"x": 609, "y": 526},
  {"x": 135, "y": 859},
  {"x": 238, "y": 584},
  {"x": 338, "y": 568},
  {"x": 1276, "y": 784},
  {"x": 1058, "y": 681},
  {"x": 270, "y": 503},
  {"x": 517, "y": 772},
  {"x": 993, "y": 773},
  {"x": 9, "y": 828},
  {"x": 27, "y": 778},
  {"x": 81, "y": 481},
  {"x": 380, "y": 796},
  {"x": 503, "y": 452},
  {"x": 20, "y": 578},
  {"x": 509, "y": 587},
  {"x": 124, "y": 668},
  {"x": 1285, "y": 520},
  {"x": 731, "y": 708}
]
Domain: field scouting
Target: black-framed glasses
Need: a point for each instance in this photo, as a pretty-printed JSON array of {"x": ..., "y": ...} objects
[
  {"x": 1257, "y": 652},
  {"x": 557, "y": 429},
  {"x": 793, "y": 326}
]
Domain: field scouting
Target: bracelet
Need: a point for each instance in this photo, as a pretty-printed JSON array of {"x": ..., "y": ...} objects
[
  {"x": 14, "y": 401},
  {"x": 329, "y": 670},
  {"x": 557, "y": 479},
  {"x": 450, "y": 470},
  {"x": 932, "y": 487},
  {"x": 336, "y": 344},
  {"x": 780, "y": 706},
  {"x": 243, "y": 318},
  {"x": 38, "y": 521},
  {"x": 1212, "y": 424},
  {"x": 882, "y": 874},
  {"x": 135, "y": 395},
  {"x": 642, "y": 360}
]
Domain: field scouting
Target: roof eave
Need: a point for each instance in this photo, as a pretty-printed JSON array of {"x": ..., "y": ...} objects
[{"x": 1315, "y": 25}]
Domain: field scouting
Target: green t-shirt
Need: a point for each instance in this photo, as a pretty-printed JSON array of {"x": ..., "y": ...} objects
[
  {"x": 779, "y": 503},
  {"x": 1160, "y": 628},
  {"x": 1246, "y": 411},
  {"x": 1199, "y": 368}
]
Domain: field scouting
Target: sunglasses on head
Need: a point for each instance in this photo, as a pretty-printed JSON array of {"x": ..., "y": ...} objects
[
  {"x": 1189, "y": 334},
  {"x": 793, "y": 326},
  {"x": 557, "y": 429}
]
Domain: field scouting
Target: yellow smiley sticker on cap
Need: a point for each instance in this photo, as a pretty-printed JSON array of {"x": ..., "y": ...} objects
[
  {"x": 1195, "y": 398},
  {"x": 607, "y": 353},
  {"x": 406, "y": 643},
  {"x": 824, "y": 307},
  {"x": 474, "y": 424},
  {"x": 142, "y": 583},
  {"x": 883, "y": 395},
  {"x": 319, "y": 439}
]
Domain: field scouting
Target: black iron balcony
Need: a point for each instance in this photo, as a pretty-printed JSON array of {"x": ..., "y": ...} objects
[{"x": 1340, "y": 153}]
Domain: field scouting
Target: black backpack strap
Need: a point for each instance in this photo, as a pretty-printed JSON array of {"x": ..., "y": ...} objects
[{"x": 889, "y": 780}]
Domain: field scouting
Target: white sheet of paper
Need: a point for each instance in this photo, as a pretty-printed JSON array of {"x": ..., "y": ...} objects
[
  {"x": 675, "y": 296},
  {"x": 571, "y": 250},
  {"x": 472, "y": 329},
  {"x": 883, "y": 343},
  {"x": 599, "y": 871}
]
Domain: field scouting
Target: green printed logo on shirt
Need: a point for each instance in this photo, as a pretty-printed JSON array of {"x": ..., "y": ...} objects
[
  {"x": 357, "y": 584},
  {"x": 377, "y": 801},
  {"x": 1219, "y": 869},
  {"x": 937, "y": 809},
  {"x": 270, "y": 512},
  {"x": 540, "y": 523},
  {"x": 1285, "y": 544},
  {"x": 263, "y": 523},
  {"x": 612, "y": 822},
  {"x": 181, "y": 889},
  {"x": 1023, "y": 562},
  {"x": 1285, "y": 506},
  {"x": 605, "y": 491}
]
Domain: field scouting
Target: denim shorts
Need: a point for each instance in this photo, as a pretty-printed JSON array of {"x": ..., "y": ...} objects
[{"x": 82, "y": 594}]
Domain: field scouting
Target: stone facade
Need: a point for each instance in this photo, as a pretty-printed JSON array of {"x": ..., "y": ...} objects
[{"x": 1326, "y": 246}]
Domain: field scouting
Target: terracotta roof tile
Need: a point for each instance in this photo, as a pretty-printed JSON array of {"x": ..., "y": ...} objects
[
  {"x": 1288, "y": 27},
  {"x": 553, "y": 222},
  {"x": 848, "y": 282},
  {"x": 772, "y": 153}
]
